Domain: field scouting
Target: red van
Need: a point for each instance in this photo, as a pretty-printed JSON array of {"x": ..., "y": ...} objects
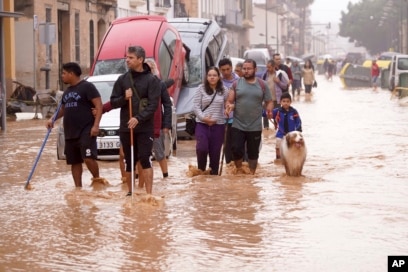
[{"x": 161, "y": 41}]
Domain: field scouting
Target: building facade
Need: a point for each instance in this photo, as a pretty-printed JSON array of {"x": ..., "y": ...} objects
[
  {"x": 276, "y": 27},
  {"x": 53, "y": 32}
]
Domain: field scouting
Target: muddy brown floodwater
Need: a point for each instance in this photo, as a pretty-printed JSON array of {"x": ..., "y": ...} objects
[{"x": 348, "y": 212}]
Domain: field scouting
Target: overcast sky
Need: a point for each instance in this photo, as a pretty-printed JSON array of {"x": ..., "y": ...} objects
[{"x": 324, "y": 11}]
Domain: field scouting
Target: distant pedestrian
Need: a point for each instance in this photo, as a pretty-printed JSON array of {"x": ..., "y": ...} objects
[
  {"x": 209, "y": 101},
  {"x": 297, "y": 78},
  {"x": 326, "y": 66},
  {"x": 238, "y": 69},
  {"x": 375, "y": 73},
  {"x": 274, "y": 75},
  {"x": 280, "y": 66},
  {"x": 308, "y": 78},
  {"x": 330, "y": 70}
]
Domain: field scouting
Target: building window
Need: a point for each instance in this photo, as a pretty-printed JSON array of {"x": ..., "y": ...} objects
[
  {"x": 180, "y": 9},
  {"x": 91, "y": 42},
  {"x": 163, "y": 3},
  {"x": 48, "y": 20},
  {"x": 77, "y": 39}
]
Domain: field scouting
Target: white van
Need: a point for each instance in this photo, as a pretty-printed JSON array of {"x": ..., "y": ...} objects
[
  {"x": 398, "y": 67},
  {"x": 260, "y": 55}
]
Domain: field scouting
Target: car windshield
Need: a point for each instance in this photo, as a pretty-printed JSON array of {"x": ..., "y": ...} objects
[
  {"x": 117, "y": 66},
  {"x": 105, "y": 89},
  {"x": 105, "y": 67}
]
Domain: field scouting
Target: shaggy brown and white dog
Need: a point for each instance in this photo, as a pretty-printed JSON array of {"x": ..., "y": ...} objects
[{"x": 293, "y": 153}]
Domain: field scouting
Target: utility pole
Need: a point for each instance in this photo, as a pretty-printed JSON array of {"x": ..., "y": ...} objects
[{"x": 266, "y": 23}]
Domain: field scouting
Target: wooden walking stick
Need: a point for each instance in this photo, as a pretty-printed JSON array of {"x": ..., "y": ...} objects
[{"x": 223, "y": 146}]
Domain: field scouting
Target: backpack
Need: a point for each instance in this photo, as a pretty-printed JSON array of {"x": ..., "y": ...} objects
[
  {"x": 260, "y": 81},
  {"x": 280, "y": 75}
]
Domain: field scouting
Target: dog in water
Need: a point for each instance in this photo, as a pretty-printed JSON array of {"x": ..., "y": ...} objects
[{"x": 293, "y": 153}]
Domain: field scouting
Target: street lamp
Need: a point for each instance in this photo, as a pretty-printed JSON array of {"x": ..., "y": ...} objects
[
  {"x": 266, "y": 23},
  {"x": 275, "y": 7},
  {"x": 266, "y": 40}
]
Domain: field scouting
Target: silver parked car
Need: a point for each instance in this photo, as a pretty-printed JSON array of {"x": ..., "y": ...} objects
[{"x": 108, "y": 142}]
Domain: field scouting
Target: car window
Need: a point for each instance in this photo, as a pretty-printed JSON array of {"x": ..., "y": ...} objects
[
  {"x": 166, "y": 53},
  {"x": 403, "y": 63},
  {"x": 214, "y": 48},
  {"x": 195, "y": 63},
  {"x": 170, "y": 40},
  {"x": 165, "y": 60},
  {"x": 209, "y": 61},
  {"x": 105, "y": 89}
]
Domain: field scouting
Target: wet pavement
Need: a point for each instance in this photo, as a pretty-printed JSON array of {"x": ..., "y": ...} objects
[{"x": 348, "y": 212}]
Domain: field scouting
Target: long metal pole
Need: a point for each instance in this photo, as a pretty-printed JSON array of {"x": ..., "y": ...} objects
[
  {"x": 132, "y": 160},
  {"x": 2, "y": 75},
  {"x": 37, "y": 158},
  {"x": 277, "y": 31},
  {"x": 35, "y": 18},
  {"x": 266, "y": 23}
]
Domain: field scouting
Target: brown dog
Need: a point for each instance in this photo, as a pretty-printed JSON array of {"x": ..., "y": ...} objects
[{"x": 293, "y": 153}]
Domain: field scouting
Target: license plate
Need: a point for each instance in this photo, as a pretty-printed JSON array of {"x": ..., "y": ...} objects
[{"x": 108, "y": 144}]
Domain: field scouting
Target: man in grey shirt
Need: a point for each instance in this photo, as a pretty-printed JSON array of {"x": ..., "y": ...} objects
[{"x": 245, "y": 99}]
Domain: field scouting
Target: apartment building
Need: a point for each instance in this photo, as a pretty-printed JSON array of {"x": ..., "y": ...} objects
[
  {"x": 52, "y": 32},
  {"x": 276, "y": 27},
  {"x": 234, "y": 16}
]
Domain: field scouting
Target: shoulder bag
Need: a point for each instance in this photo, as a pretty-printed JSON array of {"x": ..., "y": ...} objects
[
  {"x": 142, "y": 101},
  {"x": 191, "y": 122}
]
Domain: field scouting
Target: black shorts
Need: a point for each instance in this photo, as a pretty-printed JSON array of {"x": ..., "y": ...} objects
[
  {"x": 76, "y": 150},
  {"x": 142, "y": 148},
  {"x": 245, "y": 139}
]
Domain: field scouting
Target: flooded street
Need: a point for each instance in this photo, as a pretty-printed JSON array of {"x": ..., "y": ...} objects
[{"x": 348, "y": 212}]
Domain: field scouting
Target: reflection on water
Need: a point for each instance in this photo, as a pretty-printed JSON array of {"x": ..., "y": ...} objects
[{"x": 347, "y": 213}]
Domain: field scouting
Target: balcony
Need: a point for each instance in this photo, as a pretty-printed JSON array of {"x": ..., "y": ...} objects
[
  {"x": 110, "y": 3},
  {"x": 136, "y": 3},
  {"x": 246, "y": 23},
  {"x": 233, "y": 19},
  {"x": 162, "y": 6}
]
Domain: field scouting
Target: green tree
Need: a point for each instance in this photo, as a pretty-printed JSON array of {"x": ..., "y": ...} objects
[{"x": 374, "y": 24}]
